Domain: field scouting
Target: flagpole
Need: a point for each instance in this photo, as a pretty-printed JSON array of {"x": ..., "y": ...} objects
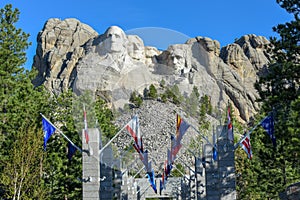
[
  {"x": 117, "y": 134},
  {"x": 61, "y": 133},
  {"x": 237, "y": 144},
  {"x": 201, "y": 134},
  {"x": 144, "y": 190},
  {"x": 139, "y": 171}
]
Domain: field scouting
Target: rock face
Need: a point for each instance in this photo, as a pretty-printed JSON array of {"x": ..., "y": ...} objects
[
  {"x": 59, "y": 48},
  {"x": 72, "y": 55}
]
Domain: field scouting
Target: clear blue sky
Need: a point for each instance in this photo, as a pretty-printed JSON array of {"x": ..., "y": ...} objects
[{"x": 217, "y": 19}]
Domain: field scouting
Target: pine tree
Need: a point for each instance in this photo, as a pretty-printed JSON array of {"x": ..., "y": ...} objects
[
  {"x": 13, "y": 43},
  {"x": 21, "y": 155},
  {"x": 62, "y": 175},
  {"x": 205, "y": 108},
  {"x": 273, "y": 169},
  {"x": 136, "y": 99},
  {"x": 105, "y": 118},
  {"x": 152, "y": 92},
  {"x": 192, "y": 102}
]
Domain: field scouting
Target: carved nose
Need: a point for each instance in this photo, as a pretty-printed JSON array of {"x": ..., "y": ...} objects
[
  {"x": 175, "y": 60},
  {"x": 113, "y": 37}
]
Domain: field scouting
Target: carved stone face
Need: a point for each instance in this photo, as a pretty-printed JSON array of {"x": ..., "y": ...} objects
[
  {"x": 115, "y": 40},
  {"x": 136, "y": 47},
  {"x": 177, "y": 59}
]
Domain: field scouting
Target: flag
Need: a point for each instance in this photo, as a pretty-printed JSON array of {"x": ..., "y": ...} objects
[
  {"x": 164, "y": 177},
  {"x": 173, "y": 141},
  {"x": 268, "y": 125},
  {"x": 245, "y": 144},
  {"x": 48, "y": 129},
  {"x": 134, "y": 129},
  {"x": 181, "y": 128},
  {"x": 149, "y": 167},
  {"x": 168, "y": 170},
  {"x": 215, "y": 153},
  {"x": 169, "y": 157},
  {"x": 175, "y": 150},
  {"x": 141, "y": 154},
  {"x": 151, "y": 179},
  {"x": 144, "y": 159},
  {"x": 163, "y": 180},
  {"x": 169, "y": 163},
  {"x": 174, "y": 147},
  {"x": 86, "y": 134},
  {"x": 71, "y": 150},
  {"x": 161, "y": 187},
  {"x": 229, "y": 126}
]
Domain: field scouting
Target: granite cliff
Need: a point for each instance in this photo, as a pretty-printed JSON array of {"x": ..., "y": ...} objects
[{"x": 71, "y": 54}]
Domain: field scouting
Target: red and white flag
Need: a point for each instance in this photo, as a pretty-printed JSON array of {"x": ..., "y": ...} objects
[
  {"x": 134, "y": 129},
  {"x": 181, "y": 127},
  {"x": 245, "y": 144},
  {"x": 229, "y": 126},
  {"x": 86, "y": 134},
  {"x": 164, "y": 175}
]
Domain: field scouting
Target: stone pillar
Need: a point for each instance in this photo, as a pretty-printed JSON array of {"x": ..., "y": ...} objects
[
  {"x": 211, "y": 174},
  {"x": 200, "y": 179},
  {"x": 106, "y": 163},
  {"x": 91, "y": 166},
  {"x": 220, "y": 174},
  {"x": 226, "y": 167},
  {"x": 193, "y": 186}
]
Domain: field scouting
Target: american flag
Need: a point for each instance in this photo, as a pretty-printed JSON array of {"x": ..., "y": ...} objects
[{"x": 245, "y": 144}]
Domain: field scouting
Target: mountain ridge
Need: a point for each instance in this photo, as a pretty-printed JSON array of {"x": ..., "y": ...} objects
[{"x": 71, "y": 55}]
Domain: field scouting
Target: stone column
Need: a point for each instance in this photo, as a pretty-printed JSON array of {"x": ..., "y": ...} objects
[
  {"x": 226, "y": 167},
  {"x": 106, "y": 163},
  {"x": 211, "y": 174},
  {"x": 220, "y": 174},
  {"x": 200, "y": 179},
  {"x": 91, "y": 166}
]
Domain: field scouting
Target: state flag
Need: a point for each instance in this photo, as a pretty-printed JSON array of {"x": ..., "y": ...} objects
[
  {"x": 268, "y": 125},
  {"x": 48, "y": 129}
]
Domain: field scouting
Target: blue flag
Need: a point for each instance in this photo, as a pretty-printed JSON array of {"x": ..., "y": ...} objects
[
  {"x": 48, "y": 129},
  {"x": 215, "y": 154},
  {"x": 160, "y": 187},
  {"x": 151, "y": 180},
  {"x": 71, "y": 150},
  {"x": 268, "y": 125}
]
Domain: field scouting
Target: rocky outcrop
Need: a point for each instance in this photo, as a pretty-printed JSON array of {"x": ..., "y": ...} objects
[
  {"x": 59, "y": 48},
  {"x": 113, "y": 65},
  {"x": 255, "y": 48}
]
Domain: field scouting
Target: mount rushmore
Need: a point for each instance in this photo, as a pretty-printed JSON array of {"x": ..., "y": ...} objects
[{"x": 71, "y": 55}]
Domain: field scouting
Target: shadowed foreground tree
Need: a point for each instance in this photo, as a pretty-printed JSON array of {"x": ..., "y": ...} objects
[
  {"x": 21, "y": 154},
  {"x": 273, "y": 168}
]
